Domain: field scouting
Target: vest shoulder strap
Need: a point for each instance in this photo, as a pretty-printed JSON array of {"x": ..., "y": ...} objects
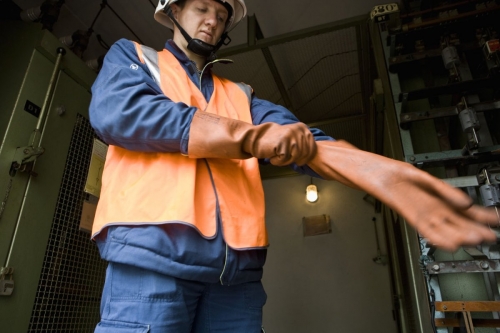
[
  {"x": 149, "y": 56},
  {"x": 247, "y": 90}
]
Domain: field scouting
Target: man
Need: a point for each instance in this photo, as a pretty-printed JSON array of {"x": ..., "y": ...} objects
[{"x": 181, "y": 214}]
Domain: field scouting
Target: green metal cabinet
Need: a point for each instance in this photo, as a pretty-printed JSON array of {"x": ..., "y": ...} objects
[{"x": 58, "y": 274}]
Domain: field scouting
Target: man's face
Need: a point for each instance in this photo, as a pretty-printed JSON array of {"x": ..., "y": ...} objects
[{"x": 202, "y": 19}]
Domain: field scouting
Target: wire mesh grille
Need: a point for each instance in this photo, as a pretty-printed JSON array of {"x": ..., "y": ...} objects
[
  {"x": 321, "y": 74},
  {"x": 69, "y": 289}
]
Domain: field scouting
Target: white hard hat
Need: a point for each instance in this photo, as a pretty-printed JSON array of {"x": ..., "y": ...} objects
[{"x": 239, "y": 12}]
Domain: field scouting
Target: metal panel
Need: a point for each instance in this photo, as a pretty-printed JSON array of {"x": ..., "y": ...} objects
[
  {"x": 14, "y": 68},
  {"x": 38, "y": 209},
  {"x": 67, "y": 283},
  {"x": 19, "y": 129}
]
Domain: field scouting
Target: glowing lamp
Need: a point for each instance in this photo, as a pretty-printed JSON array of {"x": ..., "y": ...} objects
[{"x": 312, "y": 193}]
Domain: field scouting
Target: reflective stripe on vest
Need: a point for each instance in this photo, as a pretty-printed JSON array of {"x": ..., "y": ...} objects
[{"x": 158, "y": 188}]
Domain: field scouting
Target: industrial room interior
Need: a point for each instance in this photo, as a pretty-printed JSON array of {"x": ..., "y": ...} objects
[{"x": 417, "y": 81}]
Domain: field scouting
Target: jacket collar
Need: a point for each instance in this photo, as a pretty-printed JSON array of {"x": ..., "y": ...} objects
[{"x": 183, "y": 59}]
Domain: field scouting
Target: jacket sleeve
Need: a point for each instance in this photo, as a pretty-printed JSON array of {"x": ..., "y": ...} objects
[
  {"x": 129, "y": 110},
  {"x": 264, "y": 111}
]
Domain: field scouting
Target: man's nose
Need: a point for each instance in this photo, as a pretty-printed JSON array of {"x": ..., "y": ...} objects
[{"x": 211, "y": 20}]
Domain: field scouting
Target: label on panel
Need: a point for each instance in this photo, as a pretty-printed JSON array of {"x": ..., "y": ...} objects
[
  {"x": 94, "y": 177},
  {"x": 32, "y": 108}
]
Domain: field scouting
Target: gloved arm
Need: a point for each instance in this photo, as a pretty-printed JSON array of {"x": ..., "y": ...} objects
[
  {"x": 213, "y": 136},
  {"x": 129, "y": 110},
  {"x": 264, "y": 111},
  {"x": 441, "y": 213}
]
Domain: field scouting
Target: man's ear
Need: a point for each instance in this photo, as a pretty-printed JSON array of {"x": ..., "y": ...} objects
[{"x": 175, "y": 10}]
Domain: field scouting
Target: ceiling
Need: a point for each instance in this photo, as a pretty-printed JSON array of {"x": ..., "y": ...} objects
[
  {"x": 275, "y": 18},
  {"x": 312, "y": 57}
]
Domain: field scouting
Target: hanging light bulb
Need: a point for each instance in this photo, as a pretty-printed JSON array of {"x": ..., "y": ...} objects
[
  {"x": 312, "y": 193},
  {"x": 96, "y": 63},
  {"x": 47, "y": 13},
  {"x": 31, "y": 14}
]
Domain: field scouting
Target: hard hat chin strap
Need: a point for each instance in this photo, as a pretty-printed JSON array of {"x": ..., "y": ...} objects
[{"x": 196, "y": 45}]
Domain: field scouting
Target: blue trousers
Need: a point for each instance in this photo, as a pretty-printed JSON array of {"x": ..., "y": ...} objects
[{"x": 135, "y": 300}]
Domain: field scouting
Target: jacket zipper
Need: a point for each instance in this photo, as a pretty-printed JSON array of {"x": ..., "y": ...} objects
[
  {"x": 200, "y": 76},
  {"x": 218, "y": 222},
  {"x": 223, "y": 268},
  {"x": 210, "y": 63}
]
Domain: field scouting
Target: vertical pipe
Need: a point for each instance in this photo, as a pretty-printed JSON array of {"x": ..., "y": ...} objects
[{"x": 50, "y": 90}]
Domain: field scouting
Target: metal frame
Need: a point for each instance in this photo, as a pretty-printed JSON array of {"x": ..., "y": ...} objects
[
  {"x": 254, "y": 35},
  {"x": 256, "y": 41},
  {"x": 401, "y": 146},
  {"x": 413, "y": 310}
]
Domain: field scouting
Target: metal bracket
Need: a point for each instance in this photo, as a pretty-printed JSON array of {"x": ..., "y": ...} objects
[
  {"x": 6, "y": 285},
  {"x": 454, "y": 157},
  {"x": 465, "y": 266},
  {"x": 475, "y": 253}
]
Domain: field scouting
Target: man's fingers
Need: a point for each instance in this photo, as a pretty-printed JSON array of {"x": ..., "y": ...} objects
[
  {"x": 449, "y": 232},
  {"x": 455, "y": 197},
  {"x": 472, "y": 232},
  {"x": 285, "y": 154},
  {"x": 483, "y": 215},
  {"x": 307, "y": 154},
  {"x": 299, "y": 147}
]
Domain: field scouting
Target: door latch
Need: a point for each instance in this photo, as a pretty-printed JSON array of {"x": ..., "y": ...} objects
[
  {"x": 24, "y": 159},
  {"x": 6, "y": 281}
]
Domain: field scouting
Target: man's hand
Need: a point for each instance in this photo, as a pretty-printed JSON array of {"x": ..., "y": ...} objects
[
  {"x": 213, "y": 136},
  {"x": 441, "y": 213},
  {"x": 282, "y": 144}
]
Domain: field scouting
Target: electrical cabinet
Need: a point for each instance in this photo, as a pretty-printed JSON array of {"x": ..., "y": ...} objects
[
  {"x": 52, "y": 274},
  {"x": 439, "y": 65}
]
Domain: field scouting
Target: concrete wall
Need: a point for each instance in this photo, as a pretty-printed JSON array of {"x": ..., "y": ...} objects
[{"x": 325, "y": 283}]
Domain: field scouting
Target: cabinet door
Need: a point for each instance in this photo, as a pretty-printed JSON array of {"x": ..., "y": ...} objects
[
  {"x": 58, "y": 273},
  {"x": 20, "y": 125}
]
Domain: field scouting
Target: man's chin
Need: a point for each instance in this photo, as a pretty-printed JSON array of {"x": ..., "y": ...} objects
[{"x": 206, "y": 39}]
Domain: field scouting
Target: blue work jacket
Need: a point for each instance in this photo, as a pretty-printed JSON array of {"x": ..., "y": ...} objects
[{"x": 129, "y": 110}]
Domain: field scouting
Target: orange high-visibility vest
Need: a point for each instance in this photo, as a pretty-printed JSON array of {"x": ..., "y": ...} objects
[{"x": 158, "y": 188}]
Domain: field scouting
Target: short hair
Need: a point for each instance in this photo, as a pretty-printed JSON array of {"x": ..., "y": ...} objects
[{"x": 180, "y": 3}]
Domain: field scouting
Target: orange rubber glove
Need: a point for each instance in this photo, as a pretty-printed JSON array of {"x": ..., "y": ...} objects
[
  {"x": 213, "y": 136},
  {"x": 441, "y": 213}
]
